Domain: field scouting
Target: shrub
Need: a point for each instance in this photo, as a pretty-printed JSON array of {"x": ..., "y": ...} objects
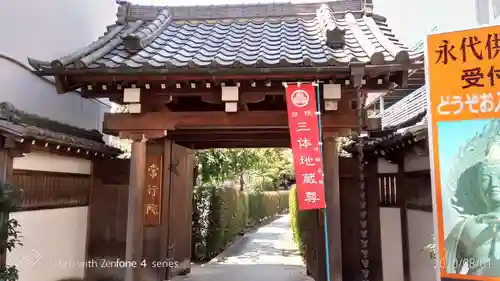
[
  {"x": 295, "y": 218},
  {"x": 214, "y": 231},
  {"x": 431, "y": 249},
  {"x": 221, "y": 214},
  {"x": 201, "y": 220},
  {"x": 9, "y": 235}
]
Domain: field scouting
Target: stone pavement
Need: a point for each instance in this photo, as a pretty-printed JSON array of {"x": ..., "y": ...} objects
[{"x": 266, "y": 254}]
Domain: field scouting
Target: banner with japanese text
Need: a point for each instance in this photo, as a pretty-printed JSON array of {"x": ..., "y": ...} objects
[
  {"x": 305, "y": 140},
  {"x": 463, "y": 83}
]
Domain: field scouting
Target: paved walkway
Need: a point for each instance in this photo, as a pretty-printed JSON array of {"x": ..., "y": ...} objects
[{"x": 266, "y": 254}]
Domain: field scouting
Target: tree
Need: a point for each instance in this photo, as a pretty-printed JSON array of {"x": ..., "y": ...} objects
[
  {"x": 267, "y": 164},
  {"x": 213, "y": 166},
  {"x": 341, "y": 143},
  {"x": 124, "y": 145},
  {"x": 274, "y": 165},
  {"x": 242, "y": 161},
  {"x": 218, "y": 165}
]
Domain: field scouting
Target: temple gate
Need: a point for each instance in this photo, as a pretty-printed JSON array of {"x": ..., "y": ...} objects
[{"x": 211, "y": 77}]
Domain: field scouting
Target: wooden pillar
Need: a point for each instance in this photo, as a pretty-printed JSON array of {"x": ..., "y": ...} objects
[
  {"x": 382, "y": 104},
  {"x": 6, "y": 161},
  {"x": 166, "y": 249},
  {"x": 134, "y": 240},
  {"x": 401, "y": 202},
  {"x": 332, "y": 197},
  {"x": 373, "y": 219}
]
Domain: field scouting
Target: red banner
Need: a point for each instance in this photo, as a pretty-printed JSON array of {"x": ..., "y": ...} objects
[{"x": 304, "y": 136}]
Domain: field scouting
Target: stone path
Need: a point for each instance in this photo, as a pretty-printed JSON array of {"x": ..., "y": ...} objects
[{"x": 266, "y": 254}]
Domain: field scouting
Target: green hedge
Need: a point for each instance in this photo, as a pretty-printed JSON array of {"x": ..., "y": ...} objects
[
  {"x": 221, "y": 214},
  {"x": 295, "y": 218}
]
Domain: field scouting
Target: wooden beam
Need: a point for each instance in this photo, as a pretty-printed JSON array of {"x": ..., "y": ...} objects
[
  {"x": 120, "y": 122},
  {"x": 237, "y": 144},
  {"x": 149, "y": 135},
  {"x": 155, "y": 90},
  {"x": 203, "y": 139},
  {"x": 222, "y": 135},
  {"x": 249, "y": 90}
]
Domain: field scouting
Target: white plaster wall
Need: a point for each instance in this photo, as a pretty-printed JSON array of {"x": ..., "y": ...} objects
[
  {"x": 47, "y": 30},
  {"x": 54, "y": 241},
  {"x": 420, "y": 231},
  {"x": 42, "y": 161},
  {"x": 414, "y": 162},
  {"x": 392, "y": 249},
  {"x": 385, "y": 167},
  {"x": 54, "y": 244}
]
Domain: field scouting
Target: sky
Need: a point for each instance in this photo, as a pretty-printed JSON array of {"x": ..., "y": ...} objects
[{"x": 410, "y": 20}]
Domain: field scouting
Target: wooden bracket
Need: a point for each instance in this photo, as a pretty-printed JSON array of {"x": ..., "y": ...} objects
[
  {"x": 9, "y": 142},
  {"x": 357, "y": 73}
]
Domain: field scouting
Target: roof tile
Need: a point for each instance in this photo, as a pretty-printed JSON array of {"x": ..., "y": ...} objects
[
  {"x": 409, "y": 108},
  {"x": 263, "y": 35}
]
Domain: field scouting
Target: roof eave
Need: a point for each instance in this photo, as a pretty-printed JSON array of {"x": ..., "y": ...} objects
[
  {"x": 391, "y": 142},
  {"x": 69, "y": 148},
  {"x": 103, "y": 151},
  {"x": 393, "y": 67}
]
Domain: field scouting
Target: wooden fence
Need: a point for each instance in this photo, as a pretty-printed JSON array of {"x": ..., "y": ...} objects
[
  {"x": 49, "y": 190},
  {"x": 416, "y": 187},
  {"x": 419, "y": 190},
  {"x": 387, "y": 190},
  {"x": 108, "y": 209},
  {"x": 351, "y": 235}
]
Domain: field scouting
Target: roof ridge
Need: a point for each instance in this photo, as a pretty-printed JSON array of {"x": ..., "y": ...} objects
[
  {"x": 205, "y": 39},
  {"x": 130, "y": 12},
  {"x": 333, "y": 33},
  {"x": 148, "y": 33},
  {"x": 161, "y": 7}
]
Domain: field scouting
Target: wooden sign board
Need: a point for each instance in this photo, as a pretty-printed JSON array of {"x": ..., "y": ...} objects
[{"x": 153, "y": 190}]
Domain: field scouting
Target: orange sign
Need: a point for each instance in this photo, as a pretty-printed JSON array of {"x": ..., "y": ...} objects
[{"x": 464, "y": 88}]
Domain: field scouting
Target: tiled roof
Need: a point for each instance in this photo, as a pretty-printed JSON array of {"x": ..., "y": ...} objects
[
  {"x": 17, "y": 123},
  {"x": 409, "y": 109},
  {"x": 258, "y": 35},
  {"x": 395, "y": 139},
  {"x": 416, "y": 76}
]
